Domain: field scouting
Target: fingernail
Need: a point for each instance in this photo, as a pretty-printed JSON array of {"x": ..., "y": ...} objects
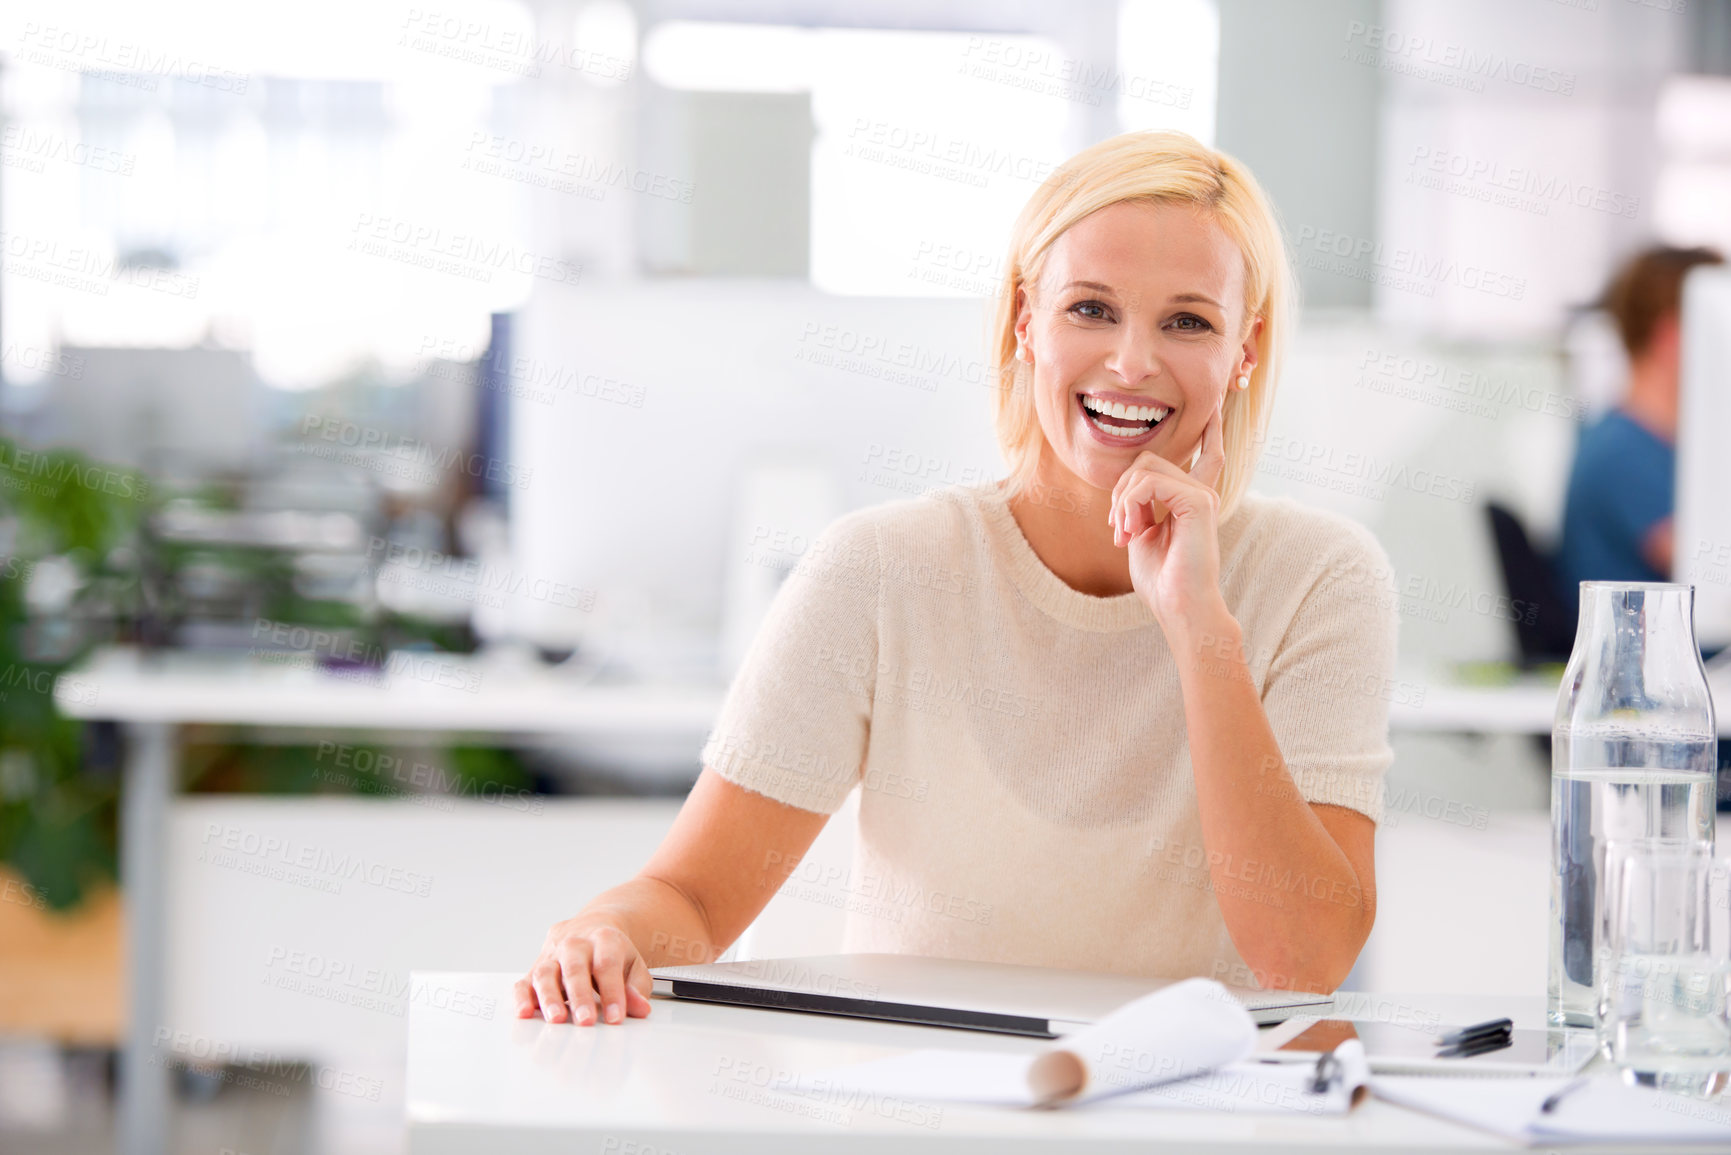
[
  {"x": 584, "y": 1014},
  {"x": 613, "y": 1012},
  {"x": 547, "y": 1013}
]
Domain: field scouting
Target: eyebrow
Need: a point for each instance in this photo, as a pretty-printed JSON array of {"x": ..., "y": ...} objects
[
  {"x": 1089, "y": 285},
  {"x": 1203, "y": 298}
]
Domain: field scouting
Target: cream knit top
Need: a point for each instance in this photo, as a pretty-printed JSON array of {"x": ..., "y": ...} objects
[{"x": 1019, "y": 746}]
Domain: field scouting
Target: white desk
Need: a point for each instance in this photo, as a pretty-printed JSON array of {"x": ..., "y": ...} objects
[
  {"x": 153, "y": 695},
  {"x": 1528, "y": 705},
  {"x": 178, "y": 687},
  {"x": 697, "y": 1078}
]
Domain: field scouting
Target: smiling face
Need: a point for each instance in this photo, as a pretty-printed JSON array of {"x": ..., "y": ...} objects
[{"x": 1136, "y": 328}]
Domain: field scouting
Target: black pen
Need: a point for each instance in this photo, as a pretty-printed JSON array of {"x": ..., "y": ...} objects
[
  {"x": 1482, "y": 1045},
  {"x": 1470, "y": 1036},
  {"x": 1561, "y": 1093}
]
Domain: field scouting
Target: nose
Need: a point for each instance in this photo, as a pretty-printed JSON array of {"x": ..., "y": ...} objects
[{"x": 1135, "y": 356}]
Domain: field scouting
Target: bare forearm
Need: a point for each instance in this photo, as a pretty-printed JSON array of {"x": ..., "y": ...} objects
[{"x": 1295, "y": 907}]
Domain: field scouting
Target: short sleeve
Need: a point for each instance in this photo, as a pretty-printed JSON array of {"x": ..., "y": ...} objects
[
  {"x": 1329, "y": 686},
  {"x": 795, "y": 721}
]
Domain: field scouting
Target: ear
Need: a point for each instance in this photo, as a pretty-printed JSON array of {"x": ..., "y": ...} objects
[
  {"x": 1024, "y": 312},
  {"x": 1666, "y": 340},
  {"x": 1249, "y": 354}
]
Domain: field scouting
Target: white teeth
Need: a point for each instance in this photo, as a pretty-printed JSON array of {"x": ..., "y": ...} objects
[
  {"x": 1124, "y": 412},
  {"x": 1119, "y": 430}
]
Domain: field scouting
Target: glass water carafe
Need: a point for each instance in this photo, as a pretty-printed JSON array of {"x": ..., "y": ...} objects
[{"x": 1633, "y": 755}]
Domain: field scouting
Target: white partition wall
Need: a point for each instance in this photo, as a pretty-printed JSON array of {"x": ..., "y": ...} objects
[
  {"x": 1703, "y": 537},
  {"x": 293, "y": 924}
]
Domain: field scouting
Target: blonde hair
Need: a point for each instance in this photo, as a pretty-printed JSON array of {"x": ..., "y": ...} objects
[{"x": 1150, "y": 168}]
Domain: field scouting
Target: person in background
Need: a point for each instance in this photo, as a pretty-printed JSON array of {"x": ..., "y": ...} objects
[{"x": 1617, "y": 516}]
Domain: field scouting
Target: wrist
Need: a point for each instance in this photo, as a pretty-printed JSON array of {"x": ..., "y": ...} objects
[{"x": 1206, "y": 630}]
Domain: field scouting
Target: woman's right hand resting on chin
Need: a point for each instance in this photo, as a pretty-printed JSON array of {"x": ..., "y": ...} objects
[{"x": 727, "y": 854}]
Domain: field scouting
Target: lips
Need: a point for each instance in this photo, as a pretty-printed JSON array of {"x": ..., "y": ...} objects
[{"x": 1121, "y": 423}]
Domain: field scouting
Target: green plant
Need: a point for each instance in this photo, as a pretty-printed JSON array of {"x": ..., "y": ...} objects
[
  {"x": 71, "y": 579},
  {"x": 68, "y": 579}
]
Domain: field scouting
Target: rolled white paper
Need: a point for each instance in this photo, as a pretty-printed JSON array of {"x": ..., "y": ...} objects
[{"x": 1176, "y": 1032}]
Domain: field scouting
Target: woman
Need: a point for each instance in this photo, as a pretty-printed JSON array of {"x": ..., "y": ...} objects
[{"x": 1142, "y": 706}]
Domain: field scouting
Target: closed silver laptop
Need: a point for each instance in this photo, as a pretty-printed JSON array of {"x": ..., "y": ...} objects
[{"x": 940, "y": 992}]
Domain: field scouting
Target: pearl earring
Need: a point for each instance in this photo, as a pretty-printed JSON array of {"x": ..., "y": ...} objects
[
  {"x": 1022, "y": 353},
  {"x": 1244, "y": 381}
]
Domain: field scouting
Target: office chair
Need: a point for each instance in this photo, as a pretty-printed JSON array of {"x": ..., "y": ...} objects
[
  {"x": 1544, "y": 620},
  {"x": 1546, "y": 632}
]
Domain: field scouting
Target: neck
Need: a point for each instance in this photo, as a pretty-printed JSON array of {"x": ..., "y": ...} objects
[
  {"x": 1652, "y": 397},
  {"x": 1064, "y": 520}
]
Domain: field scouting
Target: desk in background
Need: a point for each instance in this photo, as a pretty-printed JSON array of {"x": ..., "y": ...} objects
[
  {"x": 1527, "y": 704},
  {"x": 1422, "y": 706},
  {"x": 153, "y": 696}
]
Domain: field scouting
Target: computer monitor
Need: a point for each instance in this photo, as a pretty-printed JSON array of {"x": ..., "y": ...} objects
[
  {"x": 198, "y": 410},
  {"x": 1702, "y": 549},
  {"x": 649, "y": 419}
]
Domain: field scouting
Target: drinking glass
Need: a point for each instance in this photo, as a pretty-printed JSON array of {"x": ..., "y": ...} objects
[
  {"x": 1662, "y": 1006},
  {"x": 1633, "y": 754}
]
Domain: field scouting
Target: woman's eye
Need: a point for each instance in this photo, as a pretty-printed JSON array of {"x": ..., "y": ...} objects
[
  {"x": 1191, "y": 323},
  {"x": 1093, "y": 310}
]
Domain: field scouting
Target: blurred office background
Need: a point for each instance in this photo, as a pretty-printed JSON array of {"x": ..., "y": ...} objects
[{"x": 539, "y": 337}]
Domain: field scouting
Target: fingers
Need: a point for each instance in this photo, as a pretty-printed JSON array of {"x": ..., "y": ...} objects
[
  {"x": 1212, "y": 460},
  {"x": 1117, "y": 511},
  {"x": 574, "y": 966},
  {"x": 1153, "y": 487},
  {"x": 523, "y": 995},
  {"x": 638, "y": 986},
  {"x": 1139, "y": 518},
  {"x": 1136, "y": 519},
  {"x": 1142, "y": 514},
  {"x": 1144, "y": 460},
  {"x": 586, "y": 975},
  {"x": 1150, "y": 497},
  {"x": 544, "y": 978},
  {"x": 1126, "y": 523},
  {"x": 1132, "y": 511},
  {"x": 612, "y": 954}
]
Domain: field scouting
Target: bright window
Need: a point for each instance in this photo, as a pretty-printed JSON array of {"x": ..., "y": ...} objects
[
  {"x": 1169, "y": 66},
  {"x": 329, "y": 186},
  {"x": 1692, "y": 192},
  {"x": 927, "y": 145}
]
